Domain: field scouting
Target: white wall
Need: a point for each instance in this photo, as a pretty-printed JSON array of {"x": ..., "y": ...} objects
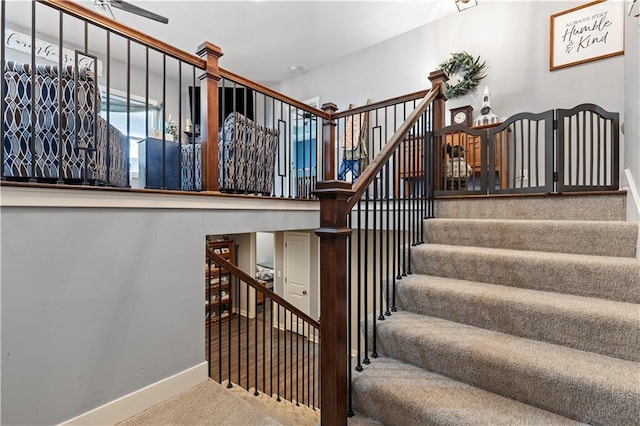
[
  {"x": 631, "y": 161},
  {"x": 264, "y": 247},
  {"x": 511, "y": 36}
]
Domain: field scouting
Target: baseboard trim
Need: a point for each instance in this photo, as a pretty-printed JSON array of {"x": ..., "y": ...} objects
[
  {"x": 633, "y": 208},
  {"x": 142, "y": 399}
]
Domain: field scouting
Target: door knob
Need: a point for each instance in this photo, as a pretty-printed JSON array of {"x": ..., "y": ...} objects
[{"x": 304, "y": 292}]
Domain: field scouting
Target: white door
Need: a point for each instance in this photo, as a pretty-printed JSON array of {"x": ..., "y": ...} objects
[{"x": 297, "y": 275}]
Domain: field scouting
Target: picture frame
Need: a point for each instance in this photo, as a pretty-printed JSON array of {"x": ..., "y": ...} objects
[
  {"x": 225, "y": 250},
  {"x": 217, "y": 251},
  {"x": 586, "y": 33}
]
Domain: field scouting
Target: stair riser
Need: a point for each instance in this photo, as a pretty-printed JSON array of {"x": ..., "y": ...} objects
[
  {"x": 589, "y": 238},
  {"x": 611, "y": 335},
  {"x": 614, "y": 281},
  {"x": 578, "y": 398},
  {"x": 556, "y": 207}
]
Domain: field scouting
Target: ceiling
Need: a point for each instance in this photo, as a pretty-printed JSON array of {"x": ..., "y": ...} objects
[{"x": 261, "y": 40}]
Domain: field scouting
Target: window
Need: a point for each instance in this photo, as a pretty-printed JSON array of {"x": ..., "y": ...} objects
[{"x": 138, "y": 114}]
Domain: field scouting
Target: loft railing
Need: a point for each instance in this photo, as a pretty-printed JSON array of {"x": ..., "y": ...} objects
[
  {"x": 117, "y": 90},
  {"x": 365, "y": 232},
  {"x": 278, "y": 149},
  {"x": 99, "y": 87},
  {"x": 262, "y": 342}
]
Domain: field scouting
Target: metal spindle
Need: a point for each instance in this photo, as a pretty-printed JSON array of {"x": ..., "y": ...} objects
[
  {"x": 255, "y": 343},
  {"x": 146, "y": 119},
  {"x": 107, "y": 145},
  {"x": 248, "y": 294},
  {"x": 229, "y": 346},
  {"x": 220, "y": 326},
  {"x": 60, "y": 179},
  {"x": 374, "y": 353},
  {"x": 297, "y": 360},
  {"x": 2, "y": 90},
  {"x": 264, "y": 343},
  {"x": 366, "y": 360},
  {"x": 349, "y": 310},
  {"x": 179, "y": 156},
  {"x": 278, "y": 359},
  {"x": 359, "y": 283},
  {"x": 389, "y": 268},
  {"x": 127, "y": 145},
  {"x": 308, "y": 334},
  {"x": 32, "y": 139}
]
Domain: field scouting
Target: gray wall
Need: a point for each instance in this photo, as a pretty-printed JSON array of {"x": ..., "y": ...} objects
[
  {"x": 97, "y": 303},
  {"x": 512, "y": 37}
]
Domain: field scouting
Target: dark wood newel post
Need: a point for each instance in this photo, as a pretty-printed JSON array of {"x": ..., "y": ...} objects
[
  {"x": 438, "y": 79},
  {"x": 329, "y": 143},
  {"x": 334, "y": 348},
  {"x": 209, "y": 114}
]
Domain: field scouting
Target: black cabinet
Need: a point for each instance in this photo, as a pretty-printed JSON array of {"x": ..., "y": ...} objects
[{"x": 151, "y": 166}]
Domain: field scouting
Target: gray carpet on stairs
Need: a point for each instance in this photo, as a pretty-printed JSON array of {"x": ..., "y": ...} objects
[
  {"x": 597, "y": 325},
  {"x": 516, "y": 321},
  {"x": 613, "y": 278},
  {"x": 582, "y": 385},
  {"x": 402, "y": 394},
  {"x": 598, "y": 238}
]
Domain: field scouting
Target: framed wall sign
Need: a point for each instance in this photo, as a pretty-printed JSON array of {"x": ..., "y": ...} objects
[{"x": 586, "y": 33}]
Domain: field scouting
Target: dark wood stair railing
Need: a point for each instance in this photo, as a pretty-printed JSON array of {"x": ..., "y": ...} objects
[
  {"x": 263, "y": 342},
  {"x": 336, "y": 201},
  {"x": 253, "y": 283}
]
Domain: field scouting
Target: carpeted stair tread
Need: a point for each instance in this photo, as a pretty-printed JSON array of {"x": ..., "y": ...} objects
[
  {"x": 402, "y": 394},
  {"x": 589, "y": 387},
  {"x": 360, "y": 420},
  {"x": 613, "y": 278},
  {"x": 607, "y": 327},
  {"x": 599, "y": 238}
]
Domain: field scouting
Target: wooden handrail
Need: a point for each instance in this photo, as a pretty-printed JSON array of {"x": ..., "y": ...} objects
[
  {"x": 272, "y": 93},
  {"x": 103, "y": 21},
  {"x": 381, "y": 104},
  {"x": 252, "y": 282},
  {"x": 383, "y": 156}
]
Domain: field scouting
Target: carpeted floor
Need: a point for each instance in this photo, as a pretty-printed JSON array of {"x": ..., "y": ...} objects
[{"x": 211, "y": 403}]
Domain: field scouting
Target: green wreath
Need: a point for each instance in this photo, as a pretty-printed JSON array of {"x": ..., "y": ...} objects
[{"x": 473, "y": 70}]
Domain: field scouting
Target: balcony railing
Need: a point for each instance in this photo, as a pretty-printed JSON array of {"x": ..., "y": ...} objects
[{"x": 77, "y": 109}]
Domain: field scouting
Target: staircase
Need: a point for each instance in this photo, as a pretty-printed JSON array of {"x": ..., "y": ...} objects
[{"x": 533, "y": 318}]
